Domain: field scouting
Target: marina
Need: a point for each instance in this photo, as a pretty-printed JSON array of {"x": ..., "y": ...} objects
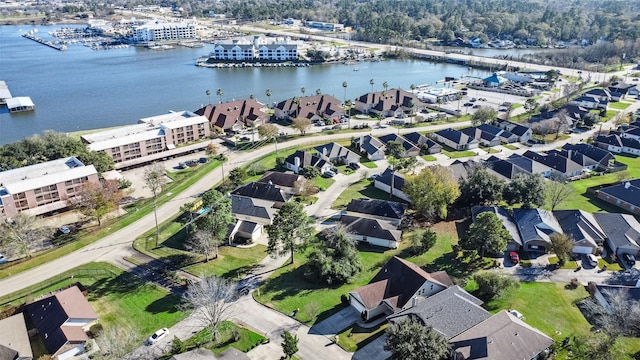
[
  {"x": 20, "y": 104},
  {"x": 50, "y": 44}
]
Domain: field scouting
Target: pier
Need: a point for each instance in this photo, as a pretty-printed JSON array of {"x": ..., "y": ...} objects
[{"x": 44, "y": 42}]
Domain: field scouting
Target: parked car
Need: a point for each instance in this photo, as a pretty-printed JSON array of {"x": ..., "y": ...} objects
[
  {"x": 2, "y": 259},
  {"x": 629, "y": 259},
  {"x": 592, "y": 260},
  {"x": 64, "y": 230},
  {"x": 473, "y": 100},
  {"x": 354, "y": 166},
  {"x": 203, "y": 160},
  {"x": 468, "y": 104},
  {"x": 514, "y": 257},
  {"x": 157, "y": 336},
  {"x": 329, "y": 173},
  {"x": 476, "y": 106}
]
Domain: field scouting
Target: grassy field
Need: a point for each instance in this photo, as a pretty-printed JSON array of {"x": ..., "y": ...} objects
[
  {"x": 246, "y": 341},
  {"x": 361, "y": 189},
  {"x": 459, "y": 154},
  {"x": 429, "y": 157},
  {"x": 619, "y": 105}
]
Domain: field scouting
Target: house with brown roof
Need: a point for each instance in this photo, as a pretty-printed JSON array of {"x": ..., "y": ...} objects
[
  {"x": 394, "y": 286},
  {"x": 388, "y": 103},
  {"x": 234, "y": 115},
  {"x": 61, "y": 320},
  {"x": 314, "y": 108},
  {"x": 500, "y": 337}
]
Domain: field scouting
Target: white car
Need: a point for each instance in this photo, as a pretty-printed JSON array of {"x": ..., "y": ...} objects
[
  {"x": 157, "y": 336},
  {"x": 592, "y": 259}
]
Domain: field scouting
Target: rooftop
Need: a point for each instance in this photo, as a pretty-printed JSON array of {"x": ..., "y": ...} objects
[{"x": 47, "y": 173}]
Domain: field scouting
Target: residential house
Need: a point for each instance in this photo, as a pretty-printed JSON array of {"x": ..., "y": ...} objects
[
  {"x": 263, "y": 191},
  {"x": 584, "y": 161},
  {"x": 494, "y": 80},
  {"x": 515, "y": 243},
  {"x": 602, "y": 157},
  {"x": 285, "y": 181},
  {"x": 301, "y": 159},
  {"x": 583, "y": 228},
  {"x": 455, "y": 139},
  {"x": 314, "y": 108},
  {"x": 632, "y": 132},
  {"x": 61, "y": 320},
  {"x": 337, "y": 154},
  {"x": 372, "y": 231},
  {"x": 449, "y": 312},
  {"x": 600, "y": 94},
  {"x": 622, "y": 232},
  {"x": 233, "y": 116},
  {"x": 43, "y": 188},
  {"x": 500, "y": 337},
  {"x": 504, "y": 135},
  {"x": 535, "y": 227},
  {"x": 514, "y": 165},
  {"x": 620, "y": 87},
  {"x": 251, "y": 216},
  {"x": 427, "y": 145},
  {"x": 372, "y": 147},
  {"x": 633, "y": 91},
  {"x": 587, "y": 102},
  {"x": 14, "y": 339},
  {"x": 522, "y": 132},
  {"x": 390, "y": 211},
  {"x": 392, "y": 183},
  {"x": 625, "y": 195},
  {"x": 410, "y": 150},
  {"x": 618, "y": 144},
  {"x": 558, "y": 163},
  {"x": 391, "y": 103},
  {"x": 485, "y": 138},
  {"x": 461, "y": 170},
  {"x": 395, "y": 286}
]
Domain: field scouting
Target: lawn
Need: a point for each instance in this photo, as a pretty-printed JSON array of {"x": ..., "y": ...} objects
[
  {"x": 361, "y": 189},
  {"x": 618, "y": 105},
  {"x": 490, "y": 150},
  {"x": 510, "y": 147},
  {"x": 429, "y": 157},
  {"x": 246, "y": 339},
  {"x": 367, "y": 163},
  {"x": 355, "y": 337},
  {"x": 459, "y": 154},
  {"x": 322, "y": 183}
]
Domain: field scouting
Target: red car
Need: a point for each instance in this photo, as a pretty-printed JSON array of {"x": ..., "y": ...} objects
[{"x": 513, "y": 256}]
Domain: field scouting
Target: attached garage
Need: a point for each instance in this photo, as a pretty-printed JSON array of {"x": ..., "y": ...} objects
[{"x": 582, "y": 250}]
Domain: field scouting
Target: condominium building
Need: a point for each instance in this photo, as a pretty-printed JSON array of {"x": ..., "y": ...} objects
[
  {"x": 43, "y": 188},
  {"x": 158, "y": 31},
  {"x": 153, "y": 138},
  {"x": 260, "y": 48}
]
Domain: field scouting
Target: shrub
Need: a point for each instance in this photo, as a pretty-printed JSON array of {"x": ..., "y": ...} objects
[
  {"x": 491, "y": 285},
  {"x": 95, "y": 330}
]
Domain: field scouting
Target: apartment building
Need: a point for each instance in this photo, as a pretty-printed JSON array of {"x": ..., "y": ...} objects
[{"x": 158, "y": 31}]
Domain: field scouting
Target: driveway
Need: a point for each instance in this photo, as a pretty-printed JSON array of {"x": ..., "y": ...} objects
[
  {"x": 337, "y": 322},
  {"x": 373, "y": 350}
]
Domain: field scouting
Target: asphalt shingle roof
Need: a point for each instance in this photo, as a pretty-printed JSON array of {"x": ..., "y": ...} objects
[
  {"x": 627, "y": 191},
  {"x": 383, "y": 208}
]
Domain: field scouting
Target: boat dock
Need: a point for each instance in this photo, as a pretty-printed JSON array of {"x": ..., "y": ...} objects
[
  {"x": 4, "y": 93},
  {"x": 44, "y": 42}
]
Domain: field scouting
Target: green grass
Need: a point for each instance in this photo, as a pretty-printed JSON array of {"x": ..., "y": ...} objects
[
  {"x": 491, "y": 150},
  {"x": 618, "y": 105},
  {"x": 429, "y": 157},
  {"x": 247, "y": 339},
  {"x": 361, "y": 189},
  {"x": 459, "y": 154},
  {"x": 367, "y": 163},
  {"x": 609, "y": 115},
  {"x": 510, "y": 147},
  {"x": 231, "y": 262},
  {"x": 322, "y": 183},
  {"x": 567, "y": 265},
  {"x": 355, "y": 337}
]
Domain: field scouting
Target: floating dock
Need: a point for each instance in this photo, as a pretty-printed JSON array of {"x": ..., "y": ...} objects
[
  {"x": 44, "y": 42},
  {"x": 4, "y": 93}
]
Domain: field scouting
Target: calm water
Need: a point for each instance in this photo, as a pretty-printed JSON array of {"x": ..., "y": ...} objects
[{"x": 82, "y": 89}]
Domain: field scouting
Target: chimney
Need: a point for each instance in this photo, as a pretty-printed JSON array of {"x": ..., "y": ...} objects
[
  {"x": 414, "y": 301},
  {"x": 627, "y": 185},
  {"x": 296, "y": 162}
]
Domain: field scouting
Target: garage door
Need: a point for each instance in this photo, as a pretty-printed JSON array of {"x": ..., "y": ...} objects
[{"x": 582, "y": 250}]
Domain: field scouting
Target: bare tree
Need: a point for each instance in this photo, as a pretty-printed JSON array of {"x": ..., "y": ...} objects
[
  {"x": 211, "y": 298},
  {"x": 155, "y": 180},
  {"x": 22, "y": 232},
  {"x": 301, "y": 124},
  {"x": 96, "y": 200},
  {"x": 200, "y": 242},
  {"x": 305, "y": 188},
  {"x": 558, "y": 192},
  {"x": 311, "y": 309},
  {"x": 618, "y": 316},
  {"x": 116, "y": 342}
]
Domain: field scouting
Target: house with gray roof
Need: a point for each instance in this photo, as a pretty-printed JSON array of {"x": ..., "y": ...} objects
[
  {"x": 586, "y": 162},
  {"x": 583, "y": 228},
  {"x": 251, "y": 216},
  {"x": 618, "y": 144},
  {"x": 337, "y": 154},
  {"x": 522, "y": 132},
  {"x": 392, "y": 183},
  {"x": 395, "y": 286},
  {"x": 372, "y": 231},
  {"x": 410, "y": 150},
  {"x": 460, "y": 170},
  {"x": 557, "y": 162},
  {"x": 535, "y": 227},
  {"x": 515, "y": 243},
  {"x": 264, "y": 191},
  {"x": 427, "y": 145},
  {"x": 622, "y": 232},
  {"x": 485, "y": 138},
  {"x": 500, "y": 337},
  {"x": 285, "y": 181},
  {"x": 301, "y": 159},
  {"x": 589, "y": 102},
  {"x": 602, "y": 157},
  {"x": 455, "y": 139},
  {"x": 390, "y": 211},
  {"x": 504, "y": 135},
  {"x": 449, "y": 312},
  {"x": 372, "y": 147},
  {"x": 631, "y": 132},
  {"x": 625, "y": 195}
]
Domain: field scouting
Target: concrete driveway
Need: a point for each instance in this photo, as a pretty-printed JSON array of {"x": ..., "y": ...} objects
[
  {"x": 337, "y": 322},
  {"x": 373, "y": 350}
]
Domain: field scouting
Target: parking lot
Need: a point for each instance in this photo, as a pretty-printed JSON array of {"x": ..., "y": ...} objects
[{"x": 481, "y": 98}]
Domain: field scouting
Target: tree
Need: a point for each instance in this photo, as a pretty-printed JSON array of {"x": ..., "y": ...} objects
[
  {"x": 305, "y": 188},
  {"x": 432, "y": 190},
  {"x": 344, "y": 85},
  {"x": 303, "y": 90},
  {"x": 289, "y": 344},
  {"x": 484, "y": 115},
  {"x": 301, "y": 124},
  {"x": 481, "y": 187},
  {"x": 557, "y": 192},
  {"x": 268, "y": 131},
  {"x": 372, "y": 82},
  {"x": 155, "y": 180},
  {"x": 491, "y": 284},
  {"x": 590, "y": 119},
  {"x": 318, "y": 91},
  {"x": 423, "y": 241},
  {"x": 525, "y": 189},
  {"x": 268, "y": 92},
  {"x": 531, "y": 105},
  {"x": 22, "y": 232},
  {"x": 413, "y": 87},
  {"x": 309, "y": 172},
  {"x": 486, "y": 234},
  {"x": 200, "y": 242},
  {"x": 219, "y": 92},
  {"x": 311, "y": 309},
  {"x": 97, "y": 199},
  {"x": 217, "y": 221},
  {"x": 290, "y": 230},
  {"x": 116, "y": 342},
  {"x": 212, "y": 297},
  {"x": 385, "y": 85},
  {"x": 334, "y": 261},
  {"x": 208, "y": 92},
  {"x": 561, "y": 245},
  {"x": 552, "y": 76},
  {"x": 410, "y": 340}
]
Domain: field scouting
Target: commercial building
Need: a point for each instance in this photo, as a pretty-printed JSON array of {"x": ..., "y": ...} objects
[
  {"x": 158, "y": 31},
  {"x": 42, "y": 188}
]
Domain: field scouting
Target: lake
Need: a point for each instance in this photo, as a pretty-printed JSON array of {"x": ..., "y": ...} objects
[{"x": 82, "y": 89}]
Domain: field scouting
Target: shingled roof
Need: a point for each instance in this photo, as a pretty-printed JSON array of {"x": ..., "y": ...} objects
[
  {"x": 225, "y": 115},
  {"x": 382, "y": 208},
  {"x": 264, "y": 191}
]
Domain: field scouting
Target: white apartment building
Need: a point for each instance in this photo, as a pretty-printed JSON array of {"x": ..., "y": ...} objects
[
  {"x": 158, "y": 31},
  {"x": 261, "y": 48}
]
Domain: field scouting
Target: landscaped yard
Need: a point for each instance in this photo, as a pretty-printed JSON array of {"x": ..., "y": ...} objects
[
  {"x": 246, "y": 339},
  {"x": 459, "y": 154},
  {"x": 491, "y": 150},
  {"x": 356, "y": 337},
  {"x": 510, "y": 147},
  {"x": 361, "y": 189},
  {"x": 619, "y": 105},
  {"x": 429, "y": 157}
]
